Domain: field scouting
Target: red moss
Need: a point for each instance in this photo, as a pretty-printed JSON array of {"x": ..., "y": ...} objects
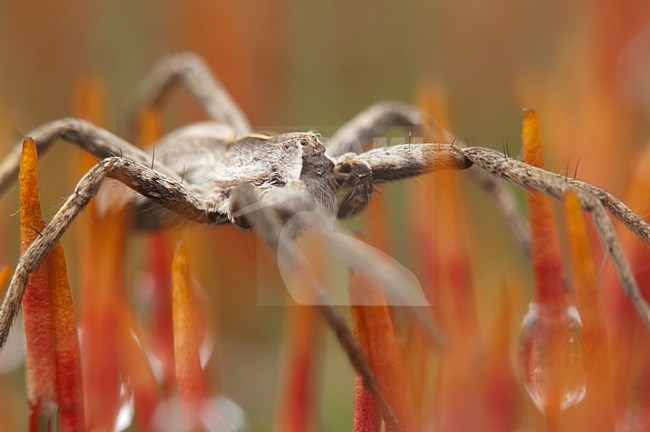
[
  {"x": 373, "y": 328},
  {"x": 37, "y": 301},
  {"x": 545, "y": 244},
  {"x": 189, "y": 375}
]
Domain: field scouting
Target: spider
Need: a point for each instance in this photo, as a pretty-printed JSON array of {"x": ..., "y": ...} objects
[{"x": 222, "y": 172}]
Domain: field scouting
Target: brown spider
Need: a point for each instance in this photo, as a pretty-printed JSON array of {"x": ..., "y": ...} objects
[{"x": 220, "y": 172}]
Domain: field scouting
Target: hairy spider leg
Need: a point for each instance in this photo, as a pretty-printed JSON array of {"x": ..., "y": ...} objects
[
  {"x": 264, "y": 217},
  {"x": 152, "y": 184},
  {"x": 592, "y": 199},
  {"x": 91, "y": 138},
  {"x": 372, "y": 122},
  {"x": 387, "y": 164},
  {"x": 355, "y": 135},
  {"x": 194, "y": 74}
]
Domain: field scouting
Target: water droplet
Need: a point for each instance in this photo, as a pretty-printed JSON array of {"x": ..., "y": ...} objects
[
  {"x": 127, "y": 407},
  {"x": 203, "y": 316},
  {"x": 550, "y": 356},
  {"x": 220, "y": 414},
  {"x": 217, "y": 414}
]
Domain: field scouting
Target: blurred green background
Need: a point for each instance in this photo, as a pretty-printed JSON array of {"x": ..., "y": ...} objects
[{"x": 302, "y": 63}]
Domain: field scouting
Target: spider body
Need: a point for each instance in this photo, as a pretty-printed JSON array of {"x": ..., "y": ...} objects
[{"x": 212, "y": 162}]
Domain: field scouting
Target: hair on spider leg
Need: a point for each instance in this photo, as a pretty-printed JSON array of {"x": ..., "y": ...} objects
[
  {"x": 645, "y": 216},
  {"x": 62, "y": 197},
  {"x": 36, "y": 230},
  {"x": 88, "y": 217},
  {"x": 183, "y": 173},
  {"x": 566, "y": 169},
  {"x": 536, "y": 155},
  {"x": 18, "y": 134},
  {"x": 575, "y": 171},
  {"x": 153, "y": 155},
  {"x": 504, "y": 150}
]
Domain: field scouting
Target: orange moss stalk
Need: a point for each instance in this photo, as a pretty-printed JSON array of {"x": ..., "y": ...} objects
[
  {"x": 102, "y": 246},
  {"x": 68, "y": 355},
  {"x": 134, "y": 361},
  {"x": 150, "y": 126},
  {"x": 5, "y": 273},
  {"x": 102, "y": 299},
  {"x": 639, "y": 372},
  {"x": 629, "y": 339},
  {"x": 113, "y": 343},
  {"x": 545, "y": 243},
  {"x": 443, "y": 261},
  {"x": 453, "y": 306},
  {"x": 548, "y": 327},
  {"x": 367, "y": 417},
  {"x": 54, "y": 341},
  {"x": 421, "y": 362},
  {"x": 373, "y": 328},
  {"x": 89, "y": 99},
  {"x": 159, "y": 269},
  {"x": 636, "y": 198},
  {"x": 440, "y": 218},
  {"x": 37, "y": 301},
  {"x": 161, "y": 328},
  {"x": 296, "y": 407},
  {"x": 501, "y": 400},
  {"x": 189, "y": 375},
  {"x": 596, "y": 412}
]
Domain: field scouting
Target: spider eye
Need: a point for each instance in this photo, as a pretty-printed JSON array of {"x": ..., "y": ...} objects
[
  {"x": 304, "y": 142},
  {"x": 345, "y": 169}
]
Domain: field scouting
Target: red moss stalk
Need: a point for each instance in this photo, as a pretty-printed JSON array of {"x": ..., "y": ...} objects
[
  {"x": 37, "y": 301},
  {"x": 53, "y": 356},
  {"x": 5, "y": 274},
  {"x": 161, "y": 326},
  {"x": 545, "y": 244},
  {"x": 68, "y": 354},
  {"x": 373, "y": 328},
  {"x": 189, "y": 375},
  {"x": 596, "y": 412},
  {"x": 102, "y": 296},
  {"x": 134, "y": 361},
  {"x": 443, "y": 261},
  {"x": 296, "y": 412},
  {"x": 547, "y": 336},
  {"x": 630, "y": 340},
  {"x": 501, "y": 399},
  {"x": 102, "y": 243}
]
